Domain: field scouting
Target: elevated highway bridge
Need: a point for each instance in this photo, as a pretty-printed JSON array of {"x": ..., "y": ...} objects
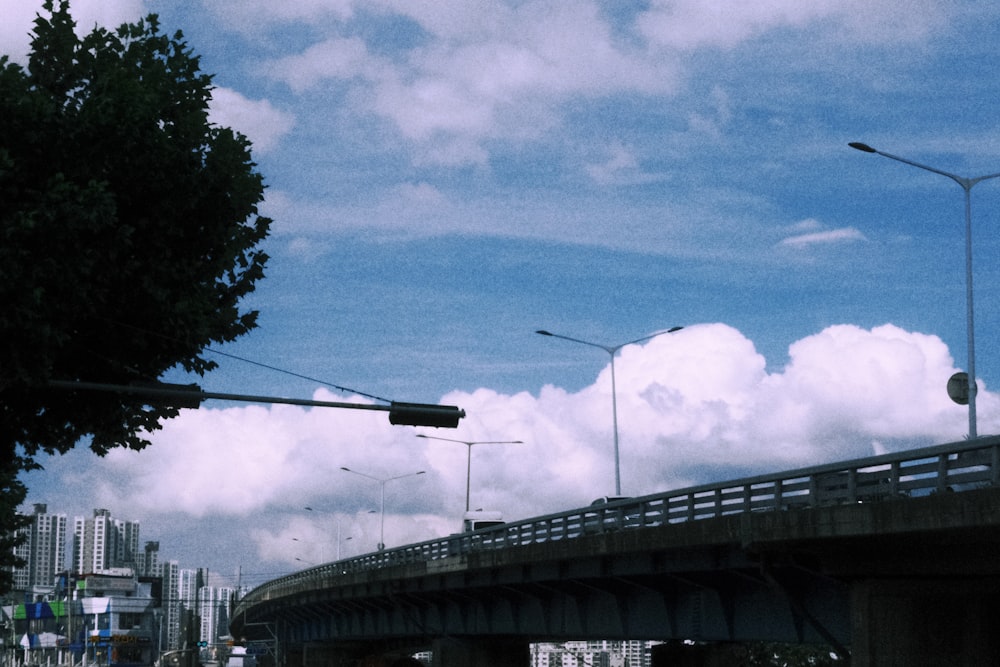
[{"x": 890, "y": 560}]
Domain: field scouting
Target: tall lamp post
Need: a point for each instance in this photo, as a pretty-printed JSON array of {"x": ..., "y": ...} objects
[
  {"x": 339, "y": 540},
  {"x": 468, "y": 459},
  {"x": 966, "y": 184},
  {"x": 612, "y": 350},
  {"x": 381, "y": 483}
]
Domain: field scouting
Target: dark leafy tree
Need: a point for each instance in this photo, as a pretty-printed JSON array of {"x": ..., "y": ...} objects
[{"x": 130, "y": 235}]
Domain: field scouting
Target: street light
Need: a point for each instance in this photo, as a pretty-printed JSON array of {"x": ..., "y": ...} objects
[
  {"x": 310, "y": 509},
  {"x": 339, "y": 540},
  {"x": 612, "y": 350},
  {"x": 966, "y": 184},
  {"x": 468, "y": 459},
  {"x": 382, "y": 483}
]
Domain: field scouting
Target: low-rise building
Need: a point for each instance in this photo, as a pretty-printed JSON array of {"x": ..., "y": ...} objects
[
  {"x": 107, "y": 619},
  {"x": 121, "y": 619}
]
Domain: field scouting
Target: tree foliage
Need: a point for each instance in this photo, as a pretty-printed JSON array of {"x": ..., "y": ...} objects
[{"x": 130, "y": 235}]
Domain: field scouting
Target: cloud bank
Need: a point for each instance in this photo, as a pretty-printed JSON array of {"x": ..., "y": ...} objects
[{"x": 694, "y": 407}]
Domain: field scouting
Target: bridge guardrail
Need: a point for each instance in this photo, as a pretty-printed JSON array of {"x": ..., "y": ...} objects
[{"x": 938, "y": 469}]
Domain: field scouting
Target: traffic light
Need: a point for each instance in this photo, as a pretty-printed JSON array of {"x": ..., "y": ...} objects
[
  {"x": 191, "y": 396},
  {"x": 422, "y": 414}
]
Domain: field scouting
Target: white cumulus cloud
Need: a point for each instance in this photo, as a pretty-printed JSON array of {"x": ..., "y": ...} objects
[
  {"x": 694, "y": 406},
  {"x": 258, "y": 120}
]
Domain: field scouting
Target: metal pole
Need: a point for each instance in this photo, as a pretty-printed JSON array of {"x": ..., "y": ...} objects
[
  {"x": 966, "y": 185},
  {"x": 191, "y": 396},
  {"x": 614, "y": 423},
  {"x": 468, "y": 473},
  {"x": 969, "y": 314},
  {"x": 381, "y": 510}
]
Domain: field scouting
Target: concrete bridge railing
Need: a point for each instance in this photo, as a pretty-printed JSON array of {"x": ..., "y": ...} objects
[{"x": 952, "y": 467}]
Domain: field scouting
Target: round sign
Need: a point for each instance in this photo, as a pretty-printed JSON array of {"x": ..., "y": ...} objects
[{"x": 958, "y": 388}]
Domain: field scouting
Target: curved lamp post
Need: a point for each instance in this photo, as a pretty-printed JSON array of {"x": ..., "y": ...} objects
[
  {"x": 966, "y": 184},
  {"x": 337, "y": 516},
  {"x": 295, "y": 539},
  {"x": 612, "y": 350},
  {"x": 339, "y": 540},
  {"x": 468, "y": 459},
  {"x": 381, "y": 484}
]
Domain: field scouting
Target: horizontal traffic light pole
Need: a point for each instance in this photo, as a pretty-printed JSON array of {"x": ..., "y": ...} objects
[{"x": 191, "y": 396}]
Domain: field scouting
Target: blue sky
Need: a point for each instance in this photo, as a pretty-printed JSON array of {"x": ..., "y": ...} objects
[{"x": 448, "y": 177}]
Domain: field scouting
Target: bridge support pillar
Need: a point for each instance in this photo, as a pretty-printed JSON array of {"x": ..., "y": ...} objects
[
  {"x": 318, "y": 655},
  {"x": 481, "y": 652},
  {"x": 900, "y": 623},
  {"x": 678, "y": 654}
]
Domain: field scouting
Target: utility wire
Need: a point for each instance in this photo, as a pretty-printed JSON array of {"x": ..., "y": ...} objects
[
  {"x": 346, "y": 390},
  {"x": 298, "y": 375}
]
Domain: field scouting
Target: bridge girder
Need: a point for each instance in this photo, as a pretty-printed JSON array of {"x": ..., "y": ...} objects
[
  {"x": 808, "y": 572},
  {"x": 612, "y": 600}
]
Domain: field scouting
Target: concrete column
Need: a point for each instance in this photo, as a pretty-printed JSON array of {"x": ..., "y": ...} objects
[
  {"x": 901, "y": 623},
  {"x": 678, "y": 654},
  {"x": 481, "y": 652},
  {"x": 321, "y": 655}
]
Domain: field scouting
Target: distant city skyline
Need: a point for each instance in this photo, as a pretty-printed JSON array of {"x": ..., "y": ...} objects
[
  {"x": 99, "y": 543},
  {"x": 103, "y": 554}
]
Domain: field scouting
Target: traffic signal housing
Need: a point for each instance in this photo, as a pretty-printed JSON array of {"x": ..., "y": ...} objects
[{"x": 423, "y": 414}]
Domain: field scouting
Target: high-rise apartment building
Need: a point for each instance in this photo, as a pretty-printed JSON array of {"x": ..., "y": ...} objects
[
  {"x": 214, "y": 610},
  {"x": 103, "y": 543},
  {"x": 149, "y": 561},
  {"x": 181, "y": 588},
  {"x": 106, "y": 549},
  {"x": 43, "y": 550},
  {"x": 592, "y": 653},
  {"x": 189, "y": 583},
  {"x": 171, "y": 574}
]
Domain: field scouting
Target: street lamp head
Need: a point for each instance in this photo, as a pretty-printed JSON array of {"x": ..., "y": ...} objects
[
  {"x": 470, "y": 443},
  {"x": 434, "y": 437},
  {"x": 673, "y": 329},
  {"x": 544, "y": 332},
  {"x": 347, "y": 469},
  {"x": 862, "y": 147}
]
